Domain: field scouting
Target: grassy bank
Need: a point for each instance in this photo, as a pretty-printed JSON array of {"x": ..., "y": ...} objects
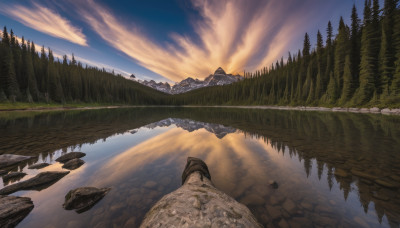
[{"x": 43, "y": 106}]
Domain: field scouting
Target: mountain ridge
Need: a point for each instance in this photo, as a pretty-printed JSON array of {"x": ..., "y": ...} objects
[{"x": 217, "y": 79}]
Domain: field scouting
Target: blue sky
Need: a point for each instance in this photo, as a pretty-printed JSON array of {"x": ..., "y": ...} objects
[{"x": 170, "y": 40}]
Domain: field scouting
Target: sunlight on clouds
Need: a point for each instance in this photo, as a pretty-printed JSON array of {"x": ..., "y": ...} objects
[
  {"x": 45, "y": 20},
  {"x": 236, "y": 35}
]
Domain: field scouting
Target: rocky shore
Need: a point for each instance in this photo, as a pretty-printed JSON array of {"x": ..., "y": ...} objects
[{"x": 374, "y": 110}]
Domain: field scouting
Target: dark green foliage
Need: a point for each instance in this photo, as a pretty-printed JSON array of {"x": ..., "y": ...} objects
[
  {"x": 341, "y": 50},
  {"x": 28, "y": 76},
  {"x": 344, "y": 72},
  {"x": 347, "y": 90}
]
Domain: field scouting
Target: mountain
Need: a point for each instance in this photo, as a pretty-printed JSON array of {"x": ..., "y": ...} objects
[
  {"x": 190, "y": 125},
  {"x": 218, "y": 78}
]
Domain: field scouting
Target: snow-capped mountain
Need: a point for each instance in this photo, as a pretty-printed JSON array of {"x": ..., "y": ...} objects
[
  {"x": 218, "y": 78},
  {"x": 190, "y": 125}
]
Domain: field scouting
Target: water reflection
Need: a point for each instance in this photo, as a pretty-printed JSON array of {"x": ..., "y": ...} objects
[{"x": 333, "y": 169}]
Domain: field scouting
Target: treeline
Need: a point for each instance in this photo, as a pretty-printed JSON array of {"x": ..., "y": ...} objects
[
  {"x": 358, "y": 67},
  {"x": 27, "y": 76}
]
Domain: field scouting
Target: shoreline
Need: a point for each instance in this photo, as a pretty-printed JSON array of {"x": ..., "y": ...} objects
[{"x": 374, "y": 110}]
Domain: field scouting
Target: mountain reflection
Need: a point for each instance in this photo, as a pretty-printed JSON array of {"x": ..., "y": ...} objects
[{"x": 327, "y": 165}]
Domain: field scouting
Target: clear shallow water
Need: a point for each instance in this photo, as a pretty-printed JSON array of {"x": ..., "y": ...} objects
[{"x": 333, "y": 169}]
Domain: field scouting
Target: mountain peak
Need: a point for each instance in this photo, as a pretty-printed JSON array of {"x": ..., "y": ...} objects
[
  {"x": 220, "y": 71},
  {"x": 218, "y": 78}
]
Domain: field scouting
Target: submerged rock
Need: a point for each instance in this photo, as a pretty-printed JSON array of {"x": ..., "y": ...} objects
[
  {"x": 39, "y": 182},
  {"x": 13, "y": 176},
  {"x": 38, "y": 166},
  {"x": 12, "y": 159},
  {"x": 2, "y": 172},
  {"x": 197, "y": 203},
  {"x": 14, "y": 209},
  {"x": 273, "y": 184},
  {"x": 73, "y": 164},
  {"x": 71, "y": 155},
  {"x": 82, "y": 199}
]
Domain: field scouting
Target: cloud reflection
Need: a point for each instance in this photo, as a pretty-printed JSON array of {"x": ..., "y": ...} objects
[{"x": 237, "y": 153}]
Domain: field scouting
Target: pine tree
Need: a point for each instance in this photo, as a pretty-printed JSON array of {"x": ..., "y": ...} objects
[
  {"x": 341, "y": 50},
  {"x": 329, "y": 32},
  {"x": 387, "y": 51},
  {"x": 331, "y": 92},
  {"x": 367, "y": 65},
  {"x": 395, "y": 86},
  {"x": 355, "y": 46},
  {"x": 347, "y": 90}
]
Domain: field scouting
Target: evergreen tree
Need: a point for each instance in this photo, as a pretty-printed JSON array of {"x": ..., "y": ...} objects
[
  {"x": 387, "y": 51},
  {"x": 347, "y": 90},
  {"x": 355, "y": 46},
  {"x": 368, "y": 60},
  {"x": 331, "y": 93},
  {"x": 341, "y": 50}
]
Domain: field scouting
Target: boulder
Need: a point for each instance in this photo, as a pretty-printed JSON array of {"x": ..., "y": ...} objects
[
  {"x": 13, "y": 176},
  {"x": 12, "y": 159},
  {"x": 39, "y": 182},
  {"x": 73, "y": 164},
  {"x": 14, "y": 209},
  {"x": 2, "y": 172},
  {"x": 82, "y": 199},
  {"x": 197, "y": 203},
  {"x": 71, "y": 155},
  {"x": 38, "y": 166}
]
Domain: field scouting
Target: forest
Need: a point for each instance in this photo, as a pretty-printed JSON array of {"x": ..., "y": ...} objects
[
  {"x": 357, "y": 67},
  {"x": 29, "y": 76}
]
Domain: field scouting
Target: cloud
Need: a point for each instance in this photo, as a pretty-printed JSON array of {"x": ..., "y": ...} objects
[
  {"x": 236, "y": 35},
  {"x": 45, "y": 20}
]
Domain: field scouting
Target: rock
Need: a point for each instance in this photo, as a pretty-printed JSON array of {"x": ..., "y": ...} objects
[
  {"x": 386, "y": 111},
  {"x": 354, "y": 110},
  {"x": 39, "y": 182},
  {"x": 374, "y": 110},
  {"x": 307, "y": 206},
  {"x": 363, "y": 174},
  {"x": 38, "y": 166},
  {"x": 71, "y": 155},
  {"x": 252, "y": 199},
  {"x": 2, "y": 172},
  {"x": 289, "y": 206},
  {"x": 12, "y": 159},
  {"x": 13, "y": 176},
  {"x": 73, "y": 164},
  {"x": 14, "y": 209},
  {"x": 273, "y": 184},
  {"x": 217, "y": 208},
  {"x": 341, "y": 173},
  {"x": 274, "y": 212},
  {"x": 82, "y": 199},
  {"x": 384, "y": 183},
  {"x": 283, "y": 224},
  {"x": 150, "y": 184},
  {"x": 364, "y": 110}
]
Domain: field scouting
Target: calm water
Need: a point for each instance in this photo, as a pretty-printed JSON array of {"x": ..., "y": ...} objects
[{"x": 333, "y": 169}]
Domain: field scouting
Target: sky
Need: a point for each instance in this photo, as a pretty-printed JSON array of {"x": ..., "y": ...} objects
[{"x": 170, "y": 40}]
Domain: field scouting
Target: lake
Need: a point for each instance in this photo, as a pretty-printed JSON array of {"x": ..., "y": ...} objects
[{"x": 332, "y": 169}]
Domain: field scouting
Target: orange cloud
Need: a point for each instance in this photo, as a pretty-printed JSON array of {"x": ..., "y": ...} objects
[
  {"x": 45, "y": 20},
  {"x": 232, "y": 34}
]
